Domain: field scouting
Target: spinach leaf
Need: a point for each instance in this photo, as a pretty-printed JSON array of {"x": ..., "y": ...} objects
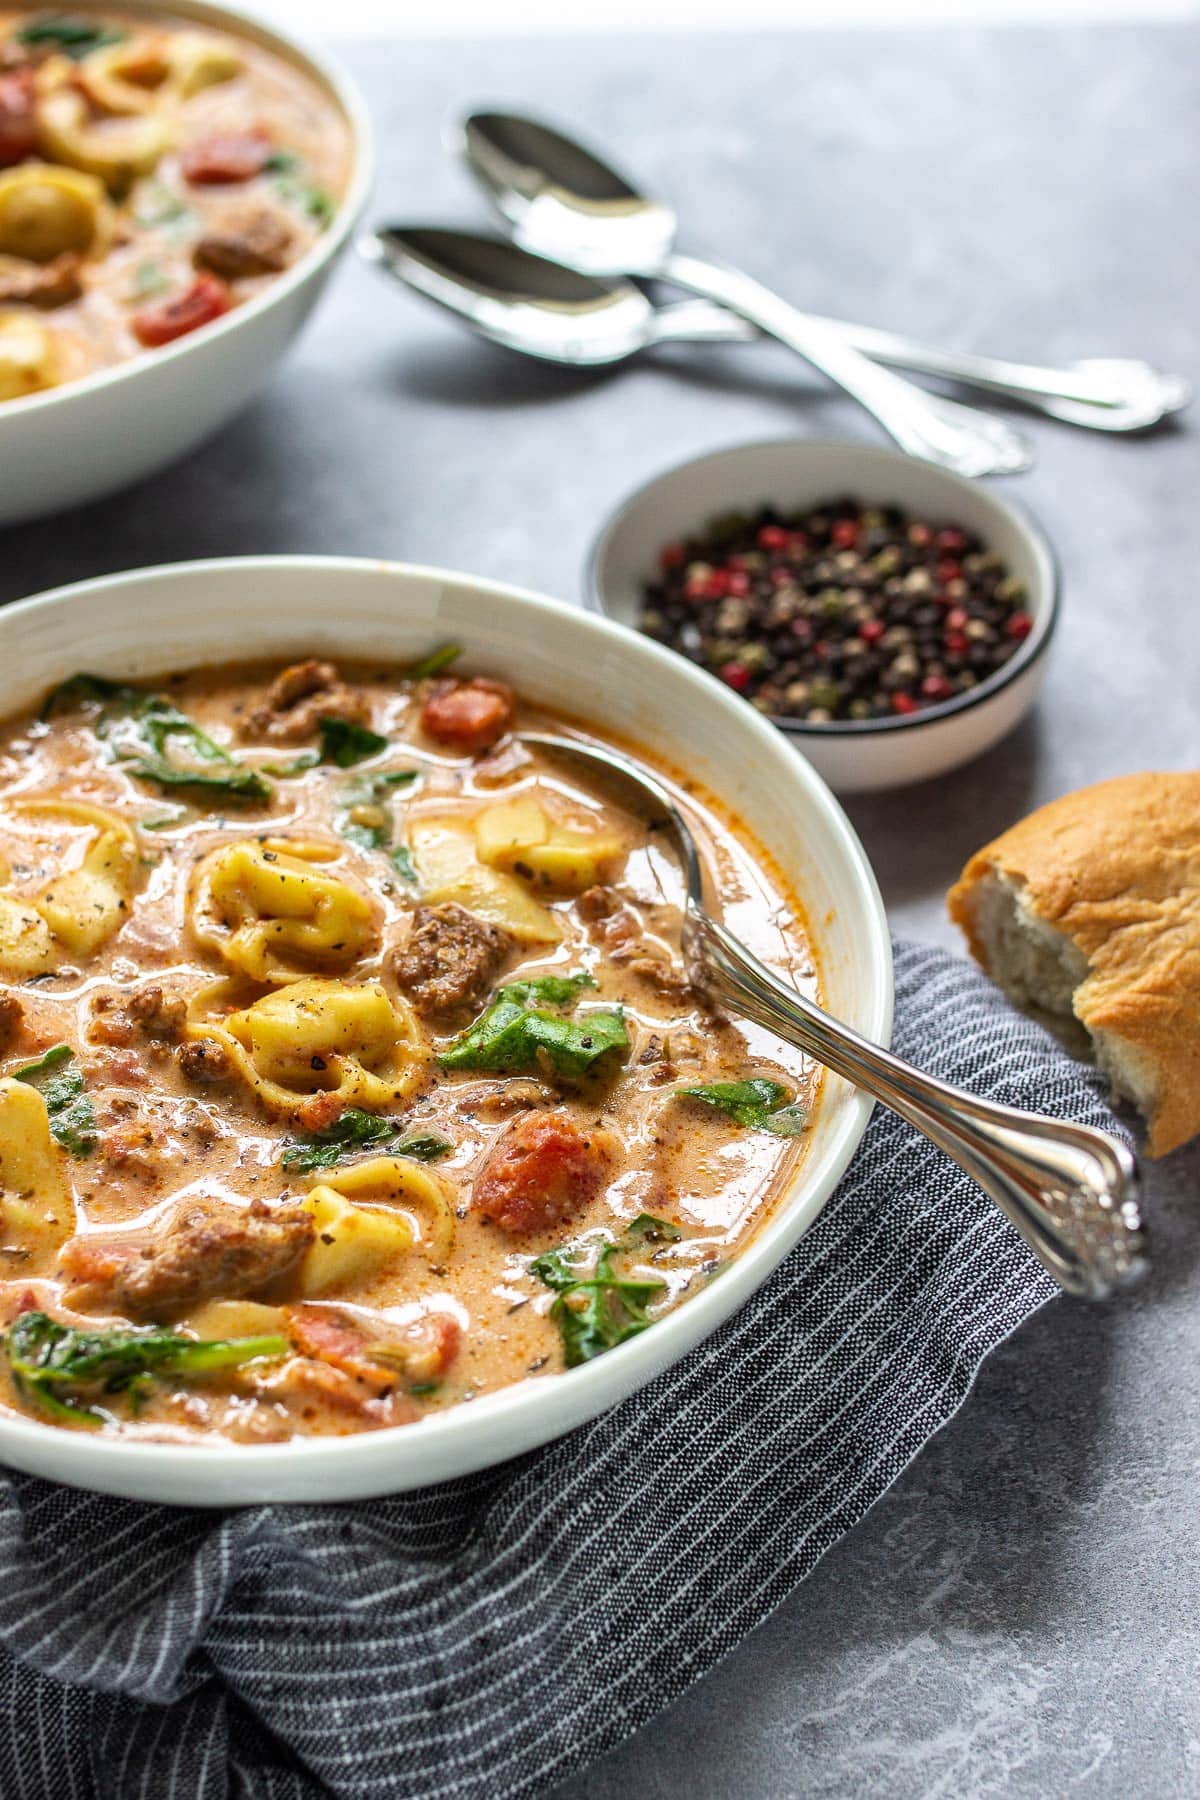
[
  {"x": 758, "y": 1104},
  {"x": 594, "y": 1311},
  {"x": 75, "y": 37},
  {"x": 136, "y": 720},
  {"x": 646, "y": 1229},
  {"x": 72, "y": 1117},
  {"x": 356, "y": 1130},
  {"x": 373, "y": 791},
  {"x": 49, "y": 1060},
  {"x": 518, "y": 1034},
  {"x": 299, "y": 765},
  {"x": 79, "y": 690},
  {"x": 428, "y": 1147},
  {"x": 156, "y": 205},
  {"x": 54, "y": 1364},
  {"x": 239, "y": 784},
  {"x": 548, "y": 990},
  {"x": 148, "y": 280},
  {"x": 307, "y": 197},
  {"x": 434, "y": 664},
  {"x": 345, "y": 743}
]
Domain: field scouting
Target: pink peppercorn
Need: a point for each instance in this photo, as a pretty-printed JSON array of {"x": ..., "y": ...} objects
[
  {"x": 738, "y": 583},
  {"x": 671, "y": 556},
  {"x": 904, "y": 703},
  {"x": 844, "y": 535},
  {"x": 735, "y": 675},
  {"x": 956, "y": 619},
  {"x": 1019, "y": 626},
  {"x": 871, "y": 630},
  {"x": 956, "y": 643},
  {"x": 772, "y": 537},
  {"x": 947, "y": 570},
  {"x": 951, "y": 541},
  {"x": 937, "y": 687}
]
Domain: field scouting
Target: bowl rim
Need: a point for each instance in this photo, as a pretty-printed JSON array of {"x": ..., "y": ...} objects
[
  {"x": 328, "y": 73},
  {"x": 525, "y": 1414},
  {"x": 1020, "y": 516}
]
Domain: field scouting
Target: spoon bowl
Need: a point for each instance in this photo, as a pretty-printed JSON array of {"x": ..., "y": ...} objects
[
  {"x": 560, "y": 197},
  {"x": 525, "y": 302}
]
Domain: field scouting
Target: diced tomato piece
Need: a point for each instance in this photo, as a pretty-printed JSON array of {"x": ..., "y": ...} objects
[
  {"x": 204, "y": 301},
  {"x": 18, "y": 124},
  {"x": 416, "y": 1353},
  {"x": 468, "y": 715},
  {"x": 307, "y": 1382},
  {"x": 226, "y": 157},
  {"x": 542, "y": 1173}
]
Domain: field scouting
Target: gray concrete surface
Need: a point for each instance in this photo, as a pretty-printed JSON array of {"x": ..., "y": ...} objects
[{"x": 1021, "y": 1615}]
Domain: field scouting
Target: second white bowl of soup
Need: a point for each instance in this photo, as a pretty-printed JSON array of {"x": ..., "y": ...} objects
[
  {"x": 349, "y": 1058},
  {"x": 176, "y": 184}
]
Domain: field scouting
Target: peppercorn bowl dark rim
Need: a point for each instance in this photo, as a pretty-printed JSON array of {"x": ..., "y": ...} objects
[{"x": 1045, "y": 620}]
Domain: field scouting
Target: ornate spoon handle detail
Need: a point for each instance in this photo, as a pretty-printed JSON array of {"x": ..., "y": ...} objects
[{"x": 1071, "y": 1191}]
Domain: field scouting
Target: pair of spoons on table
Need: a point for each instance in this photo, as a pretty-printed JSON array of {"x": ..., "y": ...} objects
[{"x": 565, "y": 290}]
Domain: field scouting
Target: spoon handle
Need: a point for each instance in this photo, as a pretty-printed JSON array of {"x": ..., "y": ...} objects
[
  {"x": 1070, "y": 1190},
  {"x": 1103, "y": 393},
  {"x": 940, "y": 431}
]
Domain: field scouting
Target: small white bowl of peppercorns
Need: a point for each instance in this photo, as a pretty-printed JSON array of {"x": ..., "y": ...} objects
[{"x": 892, "y": 618}]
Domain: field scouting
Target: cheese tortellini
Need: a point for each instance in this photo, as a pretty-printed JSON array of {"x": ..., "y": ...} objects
[
  {"x": 142, "y": 72},
  {"x": 36, "y": 1209},
  {"x": 116, "y": 148},
  {"x": 270, "y": 913},
  {"x": 521, "y": 837},
  {"x": 315, "y": 1036},
  {"x": 200, "y": 59},
  {"x": 75, "y": 912},
  {"x": 46, "y": 211},
  {"x": 369, "y": 1215},
  {"x": 450, "y": 870},
  {"x": 28, "y": 356}
]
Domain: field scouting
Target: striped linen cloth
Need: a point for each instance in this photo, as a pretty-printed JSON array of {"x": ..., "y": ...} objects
[{"x": 489, "y": 1637}]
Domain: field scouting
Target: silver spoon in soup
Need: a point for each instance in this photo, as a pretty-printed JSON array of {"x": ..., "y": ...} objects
[{"x": 1071, "y": 1191}]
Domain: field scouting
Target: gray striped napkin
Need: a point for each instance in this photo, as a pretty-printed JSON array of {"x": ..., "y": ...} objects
[{"x": 486, "y": 1638}]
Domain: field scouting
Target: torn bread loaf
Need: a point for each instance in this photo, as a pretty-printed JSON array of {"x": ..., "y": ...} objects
[{"x": 1087, "y": 914}]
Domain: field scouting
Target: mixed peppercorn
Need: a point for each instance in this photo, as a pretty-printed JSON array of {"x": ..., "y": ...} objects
[{"x": 840, "y": 612}]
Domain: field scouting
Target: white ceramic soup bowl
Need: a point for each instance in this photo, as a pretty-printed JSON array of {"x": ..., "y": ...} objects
[
  {"x": 143, "y": 624},
  {"x": 87, "y": 438},
  {"x": 790, "y": 473}
]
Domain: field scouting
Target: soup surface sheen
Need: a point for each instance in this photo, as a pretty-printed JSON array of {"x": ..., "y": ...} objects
[
  {"x": 344, "y": 1048},
  {"x": 154, "y": 174}
]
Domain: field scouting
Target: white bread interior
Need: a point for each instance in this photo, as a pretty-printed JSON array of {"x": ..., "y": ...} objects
[{"x": 1040, "y": 969}]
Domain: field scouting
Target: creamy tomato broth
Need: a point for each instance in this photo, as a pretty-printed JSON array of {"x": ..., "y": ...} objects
[
  {"x": 346, "y": 1048},
  {"x": 154, "y": 174}
]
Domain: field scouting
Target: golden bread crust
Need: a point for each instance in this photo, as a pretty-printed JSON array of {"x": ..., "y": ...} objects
[{"x": 1116, "y": 867}]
